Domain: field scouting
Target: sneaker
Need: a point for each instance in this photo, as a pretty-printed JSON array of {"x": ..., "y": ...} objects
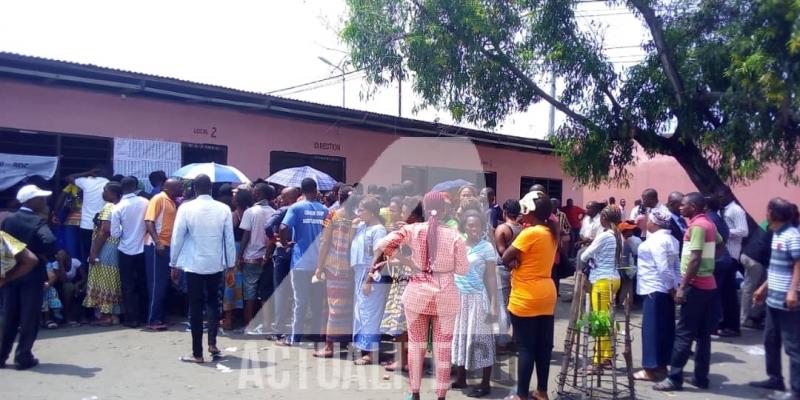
[
  {"x": 769, "y": 384},
  {"x": 783, "y": 396}
]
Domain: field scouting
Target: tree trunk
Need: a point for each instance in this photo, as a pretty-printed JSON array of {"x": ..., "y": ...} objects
[{"x": 701, "y": 173}]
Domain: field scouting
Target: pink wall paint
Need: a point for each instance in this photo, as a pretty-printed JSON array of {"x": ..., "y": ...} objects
[
  {"x": 665, "y": 175},
  {"x": 250, "y": 137}
]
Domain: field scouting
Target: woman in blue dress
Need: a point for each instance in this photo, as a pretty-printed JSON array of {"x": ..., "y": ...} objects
[{"x": 370, "y": 295}]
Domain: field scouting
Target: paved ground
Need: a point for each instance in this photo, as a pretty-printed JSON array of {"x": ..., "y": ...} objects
[{"x": 118, "y": 363}]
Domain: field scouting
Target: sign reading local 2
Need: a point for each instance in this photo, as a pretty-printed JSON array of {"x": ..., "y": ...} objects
[{"x": 14, "y": 168}]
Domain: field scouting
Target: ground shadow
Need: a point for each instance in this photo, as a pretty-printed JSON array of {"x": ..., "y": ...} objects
[
  {"x": 65, "y": 369},
  {"x": 236, "y": 363},
  {"x": 718, "y": 357}
]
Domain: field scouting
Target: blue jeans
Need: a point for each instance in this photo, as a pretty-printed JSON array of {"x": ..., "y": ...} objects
[
  {"x": 782, "y": 329},
  {"x": 157, "y": 275},
  {"x": 658, "y": 329},
  {"x": 306, "y": 296}
]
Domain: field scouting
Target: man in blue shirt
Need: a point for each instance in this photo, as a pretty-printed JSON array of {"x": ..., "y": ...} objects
[
  {"x": 301, "y": 228},
  {"x": 781, "y": 292}
]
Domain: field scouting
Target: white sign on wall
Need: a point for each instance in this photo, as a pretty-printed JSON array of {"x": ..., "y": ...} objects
[{"x": 140, "y": 157}]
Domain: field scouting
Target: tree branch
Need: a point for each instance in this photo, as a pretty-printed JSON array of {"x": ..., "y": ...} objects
[
  {"x": 499, "y": 57},
  {"x": 664, "y": 52}
]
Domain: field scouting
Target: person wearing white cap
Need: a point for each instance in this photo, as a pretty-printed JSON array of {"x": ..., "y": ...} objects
[{"x": 23, "y": 297}]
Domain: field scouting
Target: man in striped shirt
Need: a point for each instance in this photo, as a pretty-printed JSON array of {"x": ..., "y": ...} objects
[
  {"x": 781, "y": 293},
  {"x": 697, "y": 295}
]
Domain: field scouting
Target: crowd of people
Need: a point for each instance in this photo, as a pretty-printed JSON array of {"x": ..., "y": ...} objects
[{"x": 452, "y": 272}]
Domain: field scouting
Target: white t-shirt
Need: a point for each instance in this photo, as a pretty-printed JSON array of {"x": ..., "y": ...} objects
[
  {"x": 93, "y": 202},
  {"x": 253, "y": 220}
]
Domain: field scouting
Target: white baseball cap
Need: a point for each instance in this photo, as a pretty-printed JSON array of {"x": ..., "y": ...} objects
[{"x": 29, "y": 192}]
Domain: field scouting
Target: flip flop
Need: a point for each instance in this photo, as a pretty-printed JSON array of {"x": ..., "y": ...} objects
[
  {"x": 322, "y": 354},
  {"x": 667, "y": 386},
  {"x": 362, "y": 361},
  {"x": 51, "y": 325},
  {"x": 192, "y": 360},
  {"x": 642, "y": 376},
  {"x": 215, "y": 353}
]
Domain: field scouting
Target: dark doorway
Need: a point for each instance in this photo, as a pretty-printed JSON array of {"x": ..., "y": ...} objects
[{"x": 331, "y": 165}]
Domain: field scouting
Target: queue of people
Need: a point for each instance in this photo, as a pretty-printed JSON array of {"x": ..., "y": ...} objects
[{"x": 449, "y": 271}]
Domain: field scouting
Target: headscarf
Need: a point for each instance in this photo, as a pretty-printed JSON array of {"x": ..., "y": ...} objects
[
  {"x": 434, "y": 204},
  {"x": 528, "y": 203},
  {"x": 661, "y": 217}
]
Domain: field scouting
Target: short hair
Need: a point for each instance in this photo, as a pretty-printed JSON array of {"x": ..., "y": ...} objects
[
  {"x": 537, "y": 188},
  {"x": 781, "y": 209},
  {"x": 512, "y": 208},
  {"x": 696, "y": 200},
  {"x": 396, "y": 199},
  {"x": 650, "y": 192},
  {"x": 308, "y": 186},
  {"x": 157, "y": 176},
  {"x": 202, "y": 184},
  {"x": 225, "y": 190},
  {"x": 117, "y": 178},
  {"x": 129, "y": 183},
  {"x": 612, "y": 200},
  {"x": 114, "y": 187},
  {"x": 266, "y": 191},
  {"x": 471, "y": 213}
]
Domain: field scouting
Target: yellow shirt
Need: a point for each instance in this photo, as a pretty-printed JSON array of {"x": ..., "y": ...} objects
[
  {"x": 9, "y": 248},
  {"x": 533, "y": 292}
]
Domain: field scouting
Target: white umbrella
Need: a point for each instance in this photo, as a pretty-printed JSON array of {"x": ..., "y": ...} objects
[{"x": 217, "y": 172}]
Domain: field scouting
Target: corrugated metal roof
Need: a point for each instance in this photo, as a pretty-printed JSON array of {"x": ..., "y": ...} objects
[{"x": 32, "y": 68}]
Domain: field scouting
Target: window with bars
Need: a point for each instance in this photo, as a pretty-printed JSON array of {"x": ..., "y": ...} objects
[
  {"x": 553, "y": 187},
  {"x": 77, "y": 153}
]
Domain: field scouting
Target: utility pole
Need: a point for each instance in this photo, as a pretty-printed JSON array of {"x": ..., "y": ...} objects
[
  {"x": 551, "y": 124},
  {"x": 399, "y": 97},
  {"x": 341, "y": 67}
]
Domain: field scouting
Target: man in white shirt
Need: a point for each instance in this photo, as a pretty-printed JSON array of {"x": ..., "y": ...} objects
[
  {"x": 91, "y": 184},
  {"x": 736, "y": 219},
  {"x": 203, "y": 246},
  {"x": 254, "y": 246},
  {"x": 127, "y": 225}
]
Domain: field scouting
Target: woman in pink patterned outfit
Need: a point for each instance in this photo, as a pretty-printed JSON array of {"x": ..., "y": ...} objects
[{"x": 431, "y": 297}]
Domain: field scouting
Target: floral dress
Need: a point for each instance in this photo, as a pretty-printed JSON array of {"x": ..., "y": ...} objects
[{"x": 103, "y": 287}]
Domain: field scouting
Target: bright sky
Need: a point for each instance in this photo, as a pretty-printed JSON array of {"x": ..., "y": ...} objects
[{"x": 252, "y": 45}]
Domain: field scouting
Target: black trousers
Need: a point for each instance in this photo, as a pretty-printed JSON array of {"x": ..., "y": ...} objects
[
  {"x": 783, "y": 328},
  {"x": 534, "y": 339},
  {"x": 699, "y": 316},
  {"x": 725, "y": 275},
  {"x": 23, "y": 306},
  {"x": 85, "y": 243},
  {"x": 134, "y": 287},
  {"x": 203, "y": 290}
]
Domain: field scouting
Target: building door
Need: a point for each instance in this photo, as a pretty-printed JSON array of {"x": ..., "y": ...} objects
[
  {"x": 426, "y": 177},
  {"x": 334, "y": 166}
]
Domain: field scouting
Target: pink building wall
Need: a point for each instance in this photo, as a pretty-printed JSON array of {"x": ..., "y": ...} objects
[
  {"x": 664, "y": 174},
  {"x": 250, "y": 137}
]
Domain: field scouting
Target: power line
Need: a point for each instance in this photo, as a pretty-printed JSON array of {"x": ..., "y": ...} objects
[
  {"x": 322, "y": 84},
  {"x": 313, "y": 82}
]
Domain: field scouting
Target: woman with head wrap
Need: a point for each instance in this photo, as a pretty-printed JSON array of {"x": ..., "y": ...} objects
[
  {"x": 431, "y": 296},
  {"x": 657, "y": 271},
  {"x": 532, "y": 301},
  {"x": 605, "y": 252}
]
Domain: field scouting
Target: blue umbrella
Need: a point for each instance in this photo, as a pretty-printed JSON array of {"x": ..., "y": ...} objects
[
  {"x": 217, "y": 172},
  {"x": 293, "y": 176},
  {"x": 447, "y": 186}
]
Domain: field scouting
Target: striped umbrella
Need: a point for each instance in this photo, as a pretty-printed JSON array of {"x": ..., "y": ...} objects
[
  {"x": 291, "y": 177},
  {"x": 217, "y": 172}
]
